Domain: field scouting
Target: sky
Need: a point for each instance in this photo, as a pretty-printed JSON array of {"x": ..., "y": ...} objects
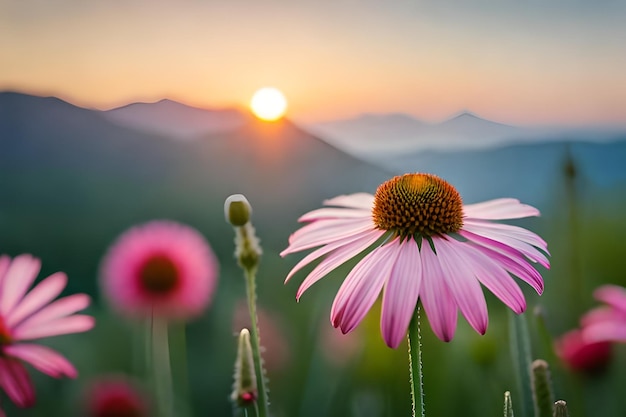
[{"x": 532, "y": 62}]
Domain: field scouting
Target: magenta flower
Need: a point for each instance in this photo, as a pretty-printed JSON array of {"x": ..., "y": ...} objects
[
  {"x": 427, "y": 246},
  {"x": 581, "y": 355},
  {"x": 115, "y": 396},
  {"x": 26, "y": 316},
  {"x": 607, "y": 323},
  {"x": 162, "y": 268}
]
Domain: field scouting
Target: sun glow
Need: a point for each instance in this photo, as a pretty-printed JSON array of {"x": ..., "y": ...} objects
[{"x": 268, "y": 104}]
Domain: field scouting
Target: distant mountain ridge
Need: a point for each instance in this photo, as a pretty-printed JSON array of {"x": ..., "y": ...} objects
[
  {"x": 177, "y": 120},
  {"x": 369, "y": 136},
  {"x": 70, "y": 173}
]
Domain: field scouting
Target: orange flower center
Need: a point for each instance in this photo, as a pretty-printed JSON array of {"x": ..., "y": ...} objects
[
  {"x": 159, "y": 275},
  {"x": 418, "y": 205}
]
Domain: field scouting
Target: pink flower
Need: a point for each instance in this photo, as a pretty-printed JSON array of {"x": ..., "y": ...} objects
[
  {"x": 427, "y": 246},
  {"x": 581, "y": 355},
  {"x": 607, "y": 323},
  {"x": 115, "y": 396},
  {"x": 162, "y": 268},
  {"x": 26, "y": 316}
]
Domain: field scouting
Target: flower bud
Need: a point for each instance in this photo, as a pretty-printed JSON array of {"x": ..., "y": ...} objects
[
  {"x": 560, "y": 409},
  {"x": 237, "y": 210},
  {"x": 542, "y": 388},
  {"x": 508, "y": 405},
  {"x": 245, "y": 386}
]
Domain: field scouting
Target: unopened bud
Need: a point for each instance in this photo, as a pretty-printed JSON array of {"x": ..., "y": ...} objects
[
  {"x": 237, "y": 210},
  {"x": 245, "y": 386},
  {"x": 542, "y": 388},
  {"x": 508, "y": 405},
  {"x": 560, "y": 409}
]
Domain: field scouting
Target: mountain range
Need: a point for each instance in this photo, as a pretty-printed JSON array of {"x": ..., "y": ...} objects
[
  {"x": 177, "y": 120},
  {"x": 72, "y": 179},
  {"x": 71, "y": 175},
  {"x": 371, "y": 136}
]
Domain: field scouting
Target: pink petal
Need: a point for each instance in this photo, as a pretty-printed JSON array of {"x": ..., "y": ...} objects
[
  {"x": 610, "y": 331},
  {"x": 361, "y": 287},
  {"x": 613, "y": 295},
  {"x": 42, "y": 294},
  {"x": 494, "y": 277},
  {"x": 76, "y": 323},
  {"x": 516, "y": 232},
  {"x": 323, "y": 251},
  {"x": 438, "y": 302},
  {"x": 334, "y": 213},
  {"x": 5, "y": 261},
  {"x": 358, "y": 200},
  {"x": 499, "y": 209},
  {"x": 464, "y": 287},
  {"x": 401, "y": 294},
  {"x": 18, "y": 278},
  {"x": 528, "y": 250},
  {"x": 338, "y": 257},
  {"x": 601, "y": 314},
  {"x": 16, "y": 383},
  {"x": 58, "y": 309},
  {"x": 325, "y": 231},
  {"x": 43, "y": 359},
  {"x": 510, "y": 259}
]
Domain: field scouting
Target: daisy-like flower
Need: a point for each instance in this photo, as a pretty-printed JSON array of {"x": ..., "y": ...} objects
[
  {"x": 161, "y": 268},
  {"x": 26, "y": 316},
  {"x": 428, "y": 246},
  {"x": 607, "y": 323}
]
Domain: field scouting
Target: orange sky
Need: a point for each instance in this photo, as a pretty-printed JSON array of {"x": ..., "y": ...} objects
[{"x": 525, "y": 63}]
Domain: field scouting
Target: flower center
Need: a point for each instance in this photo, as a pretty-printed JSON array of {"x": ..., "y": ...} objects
[
  {"x": 158, "y": 275},
  {"x": 418, "y": 204}
]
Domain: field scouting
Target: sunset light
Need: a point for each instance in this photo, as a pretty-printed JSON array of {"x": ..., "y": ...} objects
[{"x": 268, "y": 104}]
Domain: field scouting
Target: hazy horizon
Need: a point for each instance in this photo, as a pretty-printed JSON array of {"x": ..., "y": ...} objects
[{"x": 356, "y": 116}]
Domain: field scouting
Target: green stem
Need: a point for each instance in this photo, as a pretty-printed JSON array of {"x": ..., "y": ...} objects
[
  {"x": 415, "y": 363},
  {"x": 520, "y": 353},
  {"x": 255, "y": 341},
  {"x": 161, "y": 368},
  {"x": 180, "y": 373}
]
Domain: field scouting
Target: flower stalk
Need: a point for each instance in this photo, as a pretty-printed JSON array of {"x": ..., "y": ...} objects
[
  {"x": 415, "y": 364},
  {"x": 520, "y": 353},
  {"x": 161, "y": 368},
  {"x": 248, "y": 252}
]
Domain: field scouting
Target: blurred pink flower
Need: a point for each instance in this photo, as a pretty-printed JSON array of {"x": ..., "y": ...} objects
[
  {"x": 162, "y": 268},
  {"x": 607, "y": 323},
  {"x": 581, "y": 355},
  {"x": 339, "y": 349},
  {"x": 431, "y": 247},
  {"x": 115, "y": 396},
  {"x": 32, "y": 315}
]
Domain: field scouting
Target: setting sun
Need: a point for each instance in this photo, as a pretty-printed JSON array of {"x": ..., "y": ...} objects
[{"x": 268, "y": 104}]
